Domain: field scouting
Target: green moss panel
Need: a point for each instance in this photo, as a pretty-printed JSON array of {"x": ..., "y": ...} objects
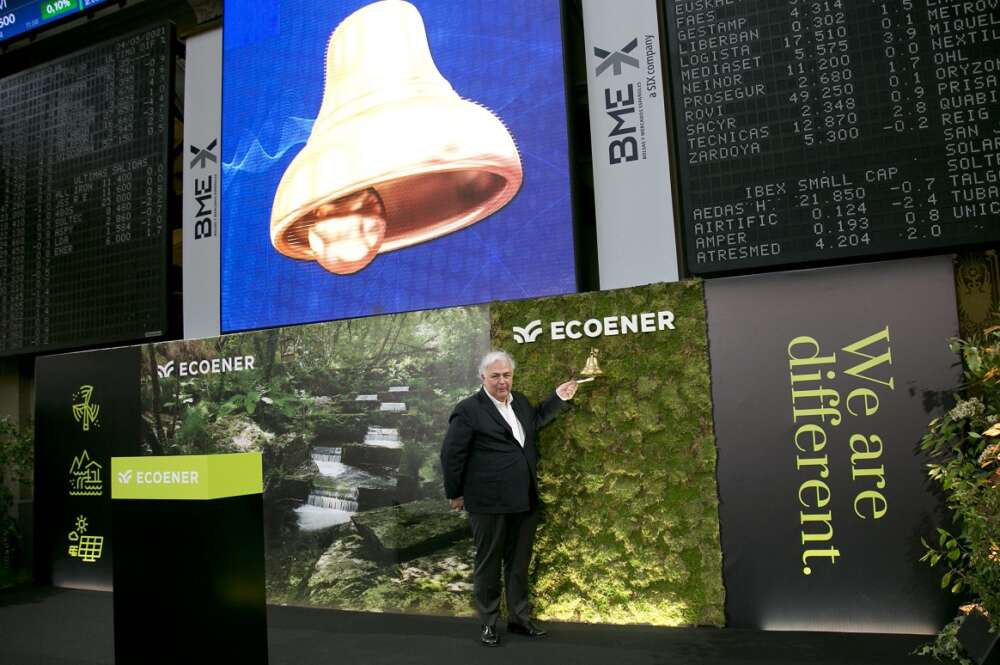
[{"x": 630, "y": 532}]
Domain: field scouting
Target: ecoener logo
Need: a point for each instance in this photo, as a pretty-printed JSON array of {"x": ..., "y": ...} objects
[
  {"x": 158, "y": 477},
  {"x": 207, "y": 366},
  {"x": 621, "y": 324},
  {"x": 528, "y": 333}
]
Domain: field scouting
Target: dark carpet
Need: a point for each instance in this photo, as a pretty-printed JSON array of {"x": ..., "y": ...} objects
[{"x": 40, "y": 626}]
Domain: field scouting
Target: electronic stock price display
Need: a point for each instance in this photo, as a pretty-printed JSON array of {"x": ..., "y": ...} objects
[
  {"x": 84, "y": 150},
  {"x": 813, "y": 130},
  {"x": 20, "y": 16}
]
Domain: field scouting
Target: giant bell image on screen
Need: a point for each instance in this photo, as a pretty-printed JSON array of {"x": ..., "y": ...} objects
[
  {"x": 383, "y": 156},
  {"x": 366, "y": 182}
]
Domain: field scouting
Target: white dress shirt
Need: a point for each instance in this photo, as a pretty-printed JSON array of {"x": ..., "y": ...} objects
[{"x": 507, "y": 411}]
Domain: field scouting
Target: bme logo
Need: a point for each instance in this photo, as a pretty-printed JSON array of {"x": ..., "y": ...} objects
[
  {"x": 204, "y": 155},
  {"x": 620, "y": 103},
  {"x": 623, "y": 324},
  {"x": 204, "y": 192},
  {"x": 617, "y": 59}
]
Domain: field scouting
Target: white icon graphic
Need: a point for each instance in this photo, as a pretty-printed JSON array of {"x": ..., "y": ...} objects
[{"x": 528, "y": 333}]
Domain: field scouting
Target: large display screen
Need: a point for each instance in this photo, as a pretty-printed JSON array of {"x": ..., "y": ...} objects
[
  {"x": 814, "y": 130},
  {"x": 20, "y": 16},
  {"x": 84, "y": 154},
  {"x": 391, "y": 156}
]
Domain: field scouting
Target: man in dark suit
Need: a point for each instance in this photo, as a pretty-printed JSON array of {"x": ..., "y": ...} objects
[{"x": 490, "y": 465}]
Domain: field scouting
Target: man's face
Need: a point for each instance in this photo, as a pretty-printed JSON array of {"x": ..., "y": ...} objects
[{"x": 498, "y": 380}]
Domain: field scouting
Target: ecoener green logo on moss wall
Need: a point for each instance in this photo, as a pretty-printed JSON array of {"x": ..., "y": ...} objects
[
  {"x": 622, "y": 324},
  {"x": 186, "y": 477}
]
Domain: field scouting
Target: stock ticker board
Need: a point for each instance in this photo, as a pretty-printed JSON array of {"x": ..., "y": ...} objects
[
  {"x": 84, "y": 155},
  {"x": 20, "y": 16},
  {"x": 816, "y": 130}
]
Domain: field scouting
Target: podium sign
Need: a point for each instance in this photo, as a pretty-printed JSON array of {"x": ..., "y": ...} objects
[
  {"x": 189, "y": 559},
  {"x": 186, "y": 477}
]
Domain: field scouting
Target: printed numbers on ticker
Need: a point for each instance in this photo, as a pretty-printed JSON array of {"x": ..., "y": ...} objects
[
  {"x": 821, "y": 129},
  {"x": 91, "y": 180}
]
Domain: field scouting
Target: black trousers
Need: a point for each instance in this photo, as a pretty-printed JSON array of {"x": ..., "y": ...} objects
[{"x": 503, "y": 539}]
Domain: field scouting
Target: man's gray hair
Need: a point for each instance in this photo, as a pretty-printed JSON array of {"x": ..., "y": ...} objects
[{"x": 492, "y": 357}]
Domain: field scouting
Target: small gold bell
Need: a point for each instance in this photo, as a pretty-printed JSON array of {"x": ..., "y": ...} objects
[
  {"x": 396, "y": 157},
  {"x": 591, "y": 368}
]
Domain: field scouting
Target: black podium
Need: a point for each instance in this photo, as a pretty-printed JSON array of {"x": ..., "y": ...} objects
[{"x": 188, "y": 562}]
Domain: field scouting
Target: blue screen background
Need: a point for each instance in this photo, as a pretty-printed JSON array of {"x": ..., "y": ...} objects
[{"x": 504, "y": 55}]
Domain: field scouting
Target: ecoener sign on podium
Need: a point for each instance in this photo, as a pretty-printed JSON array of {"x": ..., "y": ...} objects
[
  {"x": 186, "y": 477},
  {"x": 197, "y": 522}
]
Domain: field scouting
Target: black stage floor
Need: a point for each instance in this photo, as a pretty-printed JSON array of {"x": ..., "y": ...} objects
[{"x": 61, "y": 627}]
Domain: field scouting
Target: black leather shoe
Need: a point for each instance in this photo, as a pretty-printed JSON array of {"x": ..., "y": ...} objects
[
  {"x": 527, "y": 629},
  {"x": 489, "y": 636}
]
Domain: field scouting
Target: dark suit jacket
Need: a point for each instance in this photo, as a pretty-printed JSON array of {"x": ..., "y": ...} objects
[{"x": 484, "y": 463}]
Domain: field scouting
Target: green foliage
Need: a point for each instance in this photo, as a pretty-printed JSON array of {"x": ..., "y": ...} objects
[
  {"x": 631, "y": 531},
  {"x": 16, "y": 463},
  {"x": 946, "y": 648},
  {"x": 964, "y": 445},
  {"x": 192, "y": 435}
]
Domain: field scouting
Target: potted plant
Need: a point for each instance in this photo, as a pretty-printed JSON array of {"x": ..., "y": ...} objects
[
  {"x": 964, "y": 446},
  {"x": 16, "y": 460}
]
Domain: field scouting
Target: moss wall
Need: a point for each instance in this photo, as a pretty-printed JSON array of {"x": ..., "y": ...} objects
[{"x": 630, "y": 532}]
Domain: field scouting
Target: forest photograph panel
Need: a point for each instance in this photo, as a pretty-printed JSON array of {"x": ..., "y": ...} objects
[{"x": 349, "y": 417}]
